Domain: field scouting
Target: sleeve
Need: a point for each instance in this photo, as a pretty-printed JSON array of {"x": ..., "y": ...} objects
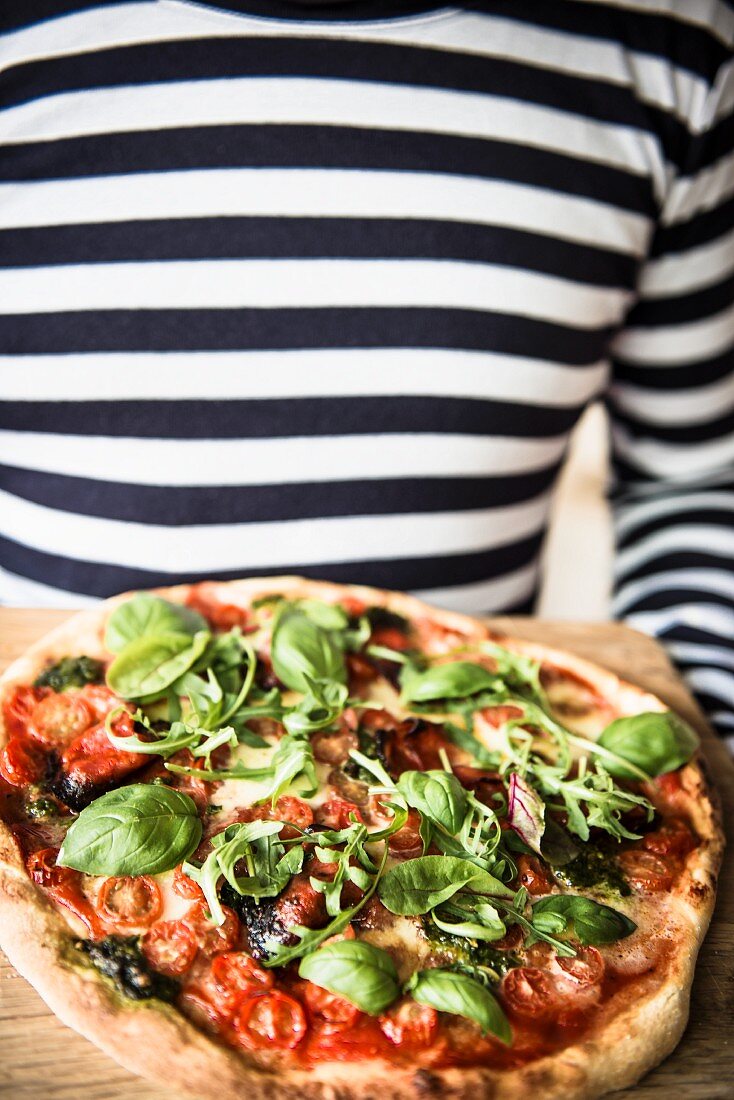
[{"x": 671, "y": 404}]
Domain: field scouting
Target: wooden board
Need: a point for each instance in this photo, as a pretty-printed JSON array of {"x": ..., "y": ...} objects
[{"x": 42, "y": 1060}]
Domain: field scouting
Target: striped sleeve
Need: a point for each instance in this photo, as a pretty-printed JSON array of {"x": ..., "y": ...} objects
[{"x": 672, "y": 410}]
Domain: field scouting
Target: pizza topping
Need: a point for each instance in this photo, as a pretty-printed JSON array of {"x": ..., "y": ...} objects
[
  {"x": 122, "y": 960},
  {"x": 461, "y": 995},
  {"x": 213, "y": 938},
  {"x": 271, "y": 1020},
  {"x": 58, "y": 719},
  {"x": 140, "y": 829},
  {"x": 64, "y": 886},
  {"x": 409, "y": 1024},
  {"x": 330, "y": 1012},
  {"x": 170, "y": 947},
  {"x": 127, "y": 904},
  {"x": 23, "y": 762},
  {"x": 654, "y": 742},
  {"x": 18, "y": 706},
  {"x": 358, "y": 971},
  {"x": 70, "y": 672}
]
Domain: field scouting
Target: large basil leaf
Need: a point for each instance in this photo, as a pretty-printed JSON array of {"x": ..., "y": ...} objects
[
  {"x": 656, "y": 742},
  {"x": 457, "y": 680},
  {"x": 592, "y": 923},
  {"x": 361, "y": 973},
  {"x": 144, "y": 615},
  {"x": 149, "y": 665},
  {"x": 448, "y": 991},
  {"x": 414, "y": 887},
  {"x": 302, "y": 651},
  {"x": 142, "y": 829},
  {"x": 437, "y": 795}
]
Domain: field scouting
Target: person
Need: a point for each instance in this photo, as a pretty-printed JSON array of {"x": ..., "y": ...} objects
[{"x": 289, "y": 286}]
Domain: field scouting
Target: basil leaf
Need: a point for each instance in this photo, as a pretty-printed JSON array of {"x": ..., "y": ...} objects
[
  {"x": 451, "y": 681},
  {"x": 655, "y": 742},
  {"x": 302, "y": 651},
  {"x": 149, "y": 665},
  {"x": 328, "y": 616},
  {"x": 592, "y": 922},
  {"x": 414, "y": 887},
  {"x": 144, "y": 615},
  {"x": 437, "y": 795},
  {"x": 355, "y": 970},
  {"x": 447, "y": 991},
  {"x": 142, "y": 829},
  {"x": 480, "y": 923}
]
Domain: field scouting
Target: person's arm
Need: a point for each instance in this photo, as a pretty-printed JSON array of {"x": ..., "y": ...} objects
[{"x": 672, "y": 409}]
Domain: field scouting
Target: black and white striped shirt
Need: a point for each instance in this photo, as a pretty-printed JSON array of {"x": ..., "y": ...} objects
[{"x": 324, "y": 289}]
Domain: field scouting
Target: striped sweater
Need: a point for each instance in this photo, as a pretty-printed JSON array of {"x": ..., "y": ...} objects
[{"x": 325, "y": 288}]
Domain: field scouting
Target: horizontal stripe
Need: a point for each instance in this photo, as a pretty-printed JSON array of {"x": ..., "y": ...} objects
[
  {"x": 663, "y": 584},
  {"x": 713, "y": 682},
  {"x": 315, "y": 148},
  {"x": 691, "y": 270},
  {"x": 417, "y": 573},
  {"x": 705, "y": 633},
  {"x": 685, "y": 307},
  {"x": 685, "y": 435},
  {"x": 633, "y": 520},
  {"x": 256, "y": 545},
  {"x": 319, "y": 193},
  {"x": 653, "y": 601},
  {"x": 688, "y": 653},
  {"x": 691, "y": 406},
  {"x": 298, "y": 373},
  {"x": 364, "y": 104},
  {"x": 28, "y": 593},
  {"x": 712, "y": 540},
  {"x": 680, "y": 559},
  {"x": 701, "y": 615},
  {"x": 503, "y": 592},
  {"x": 263, "y": 329},
  {"x": 398, "y": 64},
  {"x": 203, "y": 504},
  {"x": 483, "y": 36},
  {"x": 673, "y": 463},
  {"x": 675, "y": 344},
  {"x": 284, "y": 418},
  {"x": 264, "y": 284},
  {"x": 312, "y": 238},
  {"x": 688, "y": 196},
  {"x": 273, "y": 462},
  {"x": 670, "y": 377},
  {"x": 700, "y": 228}
]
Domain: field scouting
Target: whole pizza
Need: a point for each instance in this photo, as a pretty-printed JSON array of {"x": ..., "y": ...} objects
[{"x": 277, "y": 838}]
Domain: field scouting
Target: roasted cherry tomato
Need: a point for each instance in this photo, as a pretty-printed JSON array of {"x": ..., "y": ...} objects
[
  {"x": 331, "y": 1012},
  {"x": 645, "y": 871},
  {"x": 170, "y": 947},
  {"x": 270, "y": 1020},
  {"x": 221, "y": 616},
  {"x": 212, "y": 939},
  {"x": 673, "y": 838},
  {"x": 288, "y": 808},
  {"x": 335, "y": 813},
  {"x": 333, "y": 746},
  {"x": 529, "y": 992},
  {"x": 185, "y": 887},
  {"x": 19, "y": 705},
  {"x": 585, "y": 969},
  {"x": 390, "y": 637},
  {"x": 23, "y": 762},
  {"x": 406, "y": 842},
  {"x": 533, "y": 876},
  {"x": 91, "y": 760},
  {"x": 64, "y": 886},
  {"x": 58, "y": 719},
  {"x": 236, "y": 975},
  {"x": 129, "y": 903},
  {"x": 410, "y": 1024},
  {"x": 99, "y": 699}
]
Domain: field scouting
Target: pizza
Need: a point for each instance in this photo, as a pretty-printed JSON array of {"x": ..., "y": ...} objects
[{"x": 280, "y": 837}]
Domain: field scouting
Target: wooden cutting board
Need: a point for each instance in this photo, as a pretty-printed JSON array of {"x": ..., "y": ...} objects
[{"x": 42, "y": 1060}]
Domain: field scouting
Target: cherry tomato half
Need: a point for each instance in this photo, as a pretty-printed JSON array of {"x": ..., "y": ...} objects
[
  {"x": 645, "y": 871},
  {"x": 170, "y": 947},
  {"x": 529, "y": 992},
  {"x": 212, "y": 939},
  {"x": 236, "y": 975},
  {"x": 332, "y": 1012},
  {"x": 129, "y": 903},
  {"x": 271, "y": 1020},
  {"x": 673, "y": 838},
  {"x": 64, "y": 886},
  {"x": 410, "y": 1024},
  {"x": 19, "y": 705},
  {"x": 406, "y": 842},
  {"x": 185, "y": 887},
  {"x": 23, "y": 762},
  {"x": 335, "y": 813},
  {"x": 58, "y": 719},
  {"x": 585, "y": 969},
  {"x": 533, "y": 876}
]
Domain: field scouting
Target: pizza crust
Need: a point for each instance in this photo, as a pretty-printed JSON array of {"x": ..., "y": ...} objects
[{"x": 156, "y": 1041}]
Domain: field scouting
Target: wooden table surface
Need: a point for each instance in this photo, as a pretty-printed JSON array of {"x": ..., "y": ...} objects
[{"x": 40, "y": 1059}]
